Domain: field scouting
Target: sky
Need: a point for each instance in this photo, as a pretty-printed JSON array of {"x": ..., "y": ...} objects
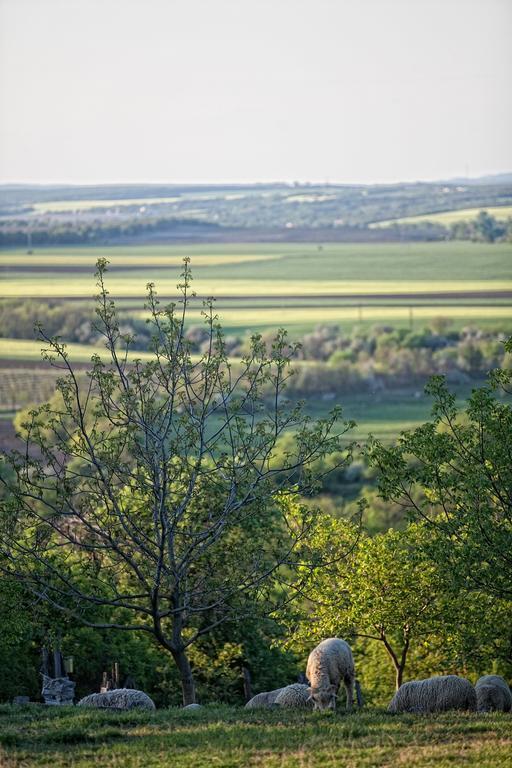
[{"x": 214, "y": 91}]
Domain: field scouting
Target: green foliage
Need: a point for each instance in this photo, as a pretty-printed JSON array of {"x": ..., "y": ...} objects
[
  {"x": 148, "y": 497},
  {"x": 387, "y": 590},
  {"x": 460, "y": 464}
]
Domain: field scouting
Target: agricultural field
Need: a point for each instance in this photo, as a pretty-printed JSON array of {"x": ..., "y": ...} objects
[
  {"x": 230, "y": 737},
  {"x": 500, "y": 212},
  {"x": 259, "y": 287},
  {"x": 451, "y": 275},
  {"x": 56, "y": 206}
]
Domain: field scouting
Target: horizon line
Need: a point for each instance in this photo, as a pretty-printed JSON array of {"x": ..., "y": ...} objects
[{"x": 252, "y": 183}]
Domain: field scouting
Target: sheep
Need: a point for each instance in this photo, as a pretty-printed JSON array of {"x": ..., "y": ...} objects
[
  {"x": 436, "y": 694},
  {"x": 493, "y": 693},
  {"x": 328, "y": 664},
  {"x": 263, "y": 700},
  {"x": 295, "y": 696},
  {"x": 118, "y": 698}
]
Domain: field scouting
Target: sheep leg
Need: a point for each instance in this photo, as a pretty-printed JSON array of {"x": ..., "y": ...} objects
[{"x": 348, "y": 682}]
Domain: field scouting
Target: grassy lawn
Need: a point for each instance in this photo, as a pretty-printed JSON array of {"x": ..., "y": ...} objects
[{"x": 232, "y": 737}]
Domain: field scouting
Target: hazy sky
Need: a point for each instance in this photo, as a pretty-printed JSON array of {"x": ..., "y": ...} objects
[{"x": 254, "y": 90}]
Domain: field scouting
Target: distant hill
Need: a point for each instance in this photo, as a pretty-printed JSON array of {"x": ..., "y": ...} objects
[
  {"x": 497, "y": 178},
  {"x": 64, "y": 214}
]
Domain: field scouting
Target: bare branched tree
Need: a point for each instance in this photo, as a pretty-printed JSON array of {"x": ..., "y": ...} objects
[{"x": 152, "y": 494}]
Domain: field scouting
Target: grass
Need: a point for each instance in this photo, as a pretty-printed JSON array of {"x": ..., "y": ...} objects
[
  {"x": 500, "y": 212},
  {"x": 84, "y": 205},
  {"x": 55, "y": 285},
  {"x": 299, "y": 286},
  {"x": 231, "y": 737},
  {"x": 335, "y": 267},
  {"x": 28, "y": 350}
]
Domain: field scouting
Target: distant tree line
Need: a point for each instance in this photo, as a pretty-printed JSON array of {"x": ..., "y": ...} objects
[
  {"x": 43, "y": 232},
  {"x": 484, "y": 228}
]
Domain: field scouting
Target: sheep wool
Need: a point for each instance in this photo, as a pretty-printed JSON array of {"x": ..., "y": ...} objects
[
  {"x": 295, "y": 696},
  {"x": 493, "y": 694},
  {"x": 436, "y": 694},
  {"x": 329, "y": 664},
  {"x": 264, "y": 700},
  {"x": 119, "y": 698}
]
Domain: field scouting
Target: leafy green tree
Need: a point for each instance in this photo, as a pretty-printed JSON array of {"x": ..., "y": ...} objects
[
  {"x": 487, "y": 228},
  {"x": 387, "y": 590},
  {"x": 454, "y": 472},
  {"x": 147, "y": 499}
]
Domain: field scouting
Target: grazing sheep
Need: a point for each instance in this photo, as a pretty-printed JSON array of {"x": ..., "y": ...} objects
[
  {"x": 119, "y": 698},
  {"x": 493, "y": 694},
  {"x": 328, "y": 664},
  {"x": 437, "y": 694},
  {"x": 295, "y": 696},
  {"x": 264, "y": 700}
]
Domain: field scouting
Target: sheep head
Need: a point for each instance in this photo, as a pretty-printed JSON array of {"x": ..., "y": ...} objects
[{"x": 323, "y": 698}]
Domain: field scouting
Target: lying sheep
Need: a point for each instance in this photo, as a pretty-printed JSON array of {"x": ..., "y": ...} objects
[
  {"x": 437, "y": 694},
  {"x": 328, "y": 664},
  {"x": 119, "y": 698},
  {"x": 295, "y": 696},
  {"x": 493, "y": 694},
  {"x": 264, "y": 700}
]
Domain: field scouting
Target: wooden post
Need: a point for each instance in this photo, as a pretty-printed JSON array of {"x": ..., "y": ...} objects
[
  {"x": 115, "y": 674},
  {"x": 57, "y": 663},
  {"x": 247, "y": 683},
  {"x": 45, "y": 663}
]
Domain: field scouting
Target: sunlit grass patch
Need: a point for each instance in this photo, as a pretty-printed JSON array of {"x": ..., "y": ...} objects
[{"x": 233, "y": 737}]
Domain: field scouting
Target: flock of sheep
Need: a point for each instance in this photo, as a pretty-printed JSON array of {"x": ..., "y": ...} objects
[{"x": 331, "y": 663}]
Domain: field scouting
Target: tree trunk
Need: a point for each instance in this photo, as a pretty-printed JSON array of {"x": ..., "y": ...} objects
[
  {"x": 398, "y": 663},
  {"x": 188, "y": 686}
]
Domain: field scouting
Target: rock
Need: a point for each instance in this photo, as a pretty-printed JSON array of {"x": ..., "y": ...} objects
[
  {"x": 21, "y": 700},
  {"x": 118, "y": 698},
  {"x": 58, "y": 691},
  {"x": 193, "y": 706}
]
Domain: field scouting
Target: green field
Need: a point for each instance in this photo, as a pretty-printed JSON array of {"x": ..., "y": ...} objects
[
  {"x": 303, "y": 263},
  {"x": 263, "y": 286},
  {"x": 230, "y": 737},
  {"x": 500, "y": 212},
  {"x": 296, "y": 285},
  {"x": 55, "y": 206}
]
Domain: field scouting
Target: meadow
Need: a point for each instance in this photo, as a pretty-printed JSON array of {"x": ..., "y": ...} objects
[
  {"x": 500, "y": 212},
  {"x": 231, "y": 737},
  {"x": 265, "y": 285}
]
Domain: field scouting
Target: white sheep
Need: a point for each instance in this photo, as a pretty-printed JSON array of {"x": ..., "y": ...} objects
[
  {"x": 493, "y": 694},
  {"x": 118, "y": 698},
  {"x": 436, "y": 694},
  {"x": 264, "y": 700},
  {"x": 329, "y": 664},
  {"x": 295, "y": 696}
]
